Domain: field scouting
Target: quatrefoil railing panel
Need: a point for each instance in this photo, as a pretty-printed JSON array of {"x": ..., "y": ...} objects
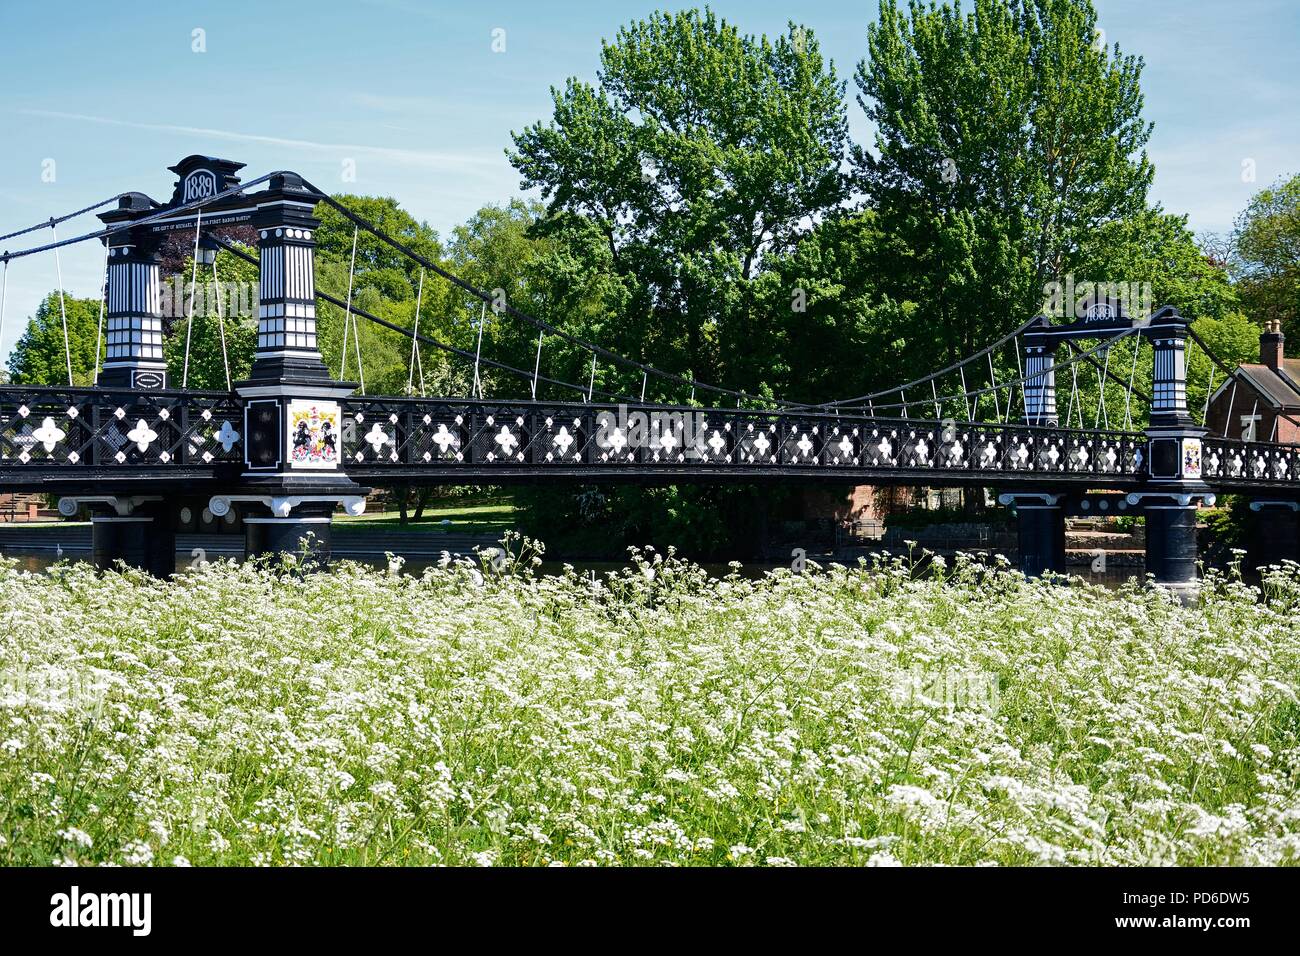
[
  {"x": 1250, "y": 463},
  {"x": 408, "y": 434},
  {"x": 83, "y": 428}
]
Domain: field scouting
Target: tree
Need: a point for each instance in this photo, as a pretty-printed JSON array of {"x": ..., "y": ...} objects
[
  {"x": 700, "y": 156},
  {"x": 384, "y": 283},
  {"x": 233, "y": 314},
  {"x": 1007, "y": 138},
  {"x": 700, "y": 152},
  {"x": 1266, "y": 242},
  {"x": 39, "y": 357},
  {"x": 1157, "y": 247},
  {"x": 835, "y": 332}
]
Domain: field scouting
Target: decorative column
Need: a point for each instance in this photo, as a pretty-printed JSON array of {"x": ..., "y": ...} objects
[
  {"x": 293, "y": 419},
  {"x": 1040, "y": 527},
  {"x": 136, "y": 530},
  {"x": 133, "y": 313},
  {"x": 1174, "y": 486},
  {"x": 1040, "y": 374},
  {"x": 287, "y": 346}
]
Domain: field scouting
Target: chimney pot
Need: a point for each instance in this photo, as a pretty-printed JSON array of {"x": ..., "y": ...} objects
[{"x": 1271, "y": 342}]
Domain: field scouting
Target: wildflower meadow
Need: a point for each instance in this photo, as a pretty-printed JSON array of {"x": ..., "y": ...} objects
[{"x": 483, "y": 713}]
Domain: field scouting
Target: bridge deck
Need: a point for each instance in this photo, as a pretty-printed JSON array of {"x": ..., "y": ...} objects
[{"x": 57, "y": 438}]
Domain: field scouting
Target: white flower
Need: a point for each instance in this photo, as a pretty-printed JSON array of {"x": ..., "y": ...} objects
[
  {"x": 137, "y": 853},
  {"x": 79, "y": 837}
]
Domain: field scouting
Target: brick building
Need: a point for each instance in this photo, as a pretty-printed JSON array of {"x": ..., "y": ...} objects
[{"x": 1263, "y": 402}]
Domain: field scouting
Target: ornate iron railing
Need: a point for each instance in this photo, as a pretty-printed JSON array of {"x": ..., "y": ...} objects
[
  {"x": 396, "y": 434},
  {"x": 73, "y": 428},
  {"x": 1227, "y": 461},
  {"x": 68, "y": 430}
]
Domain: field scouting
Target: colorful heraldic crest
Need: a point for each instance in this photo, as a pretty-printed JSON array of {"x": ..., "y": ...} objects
[
  {"x": 314, "y": 434},
  {"x": 1191, "y": 458}
]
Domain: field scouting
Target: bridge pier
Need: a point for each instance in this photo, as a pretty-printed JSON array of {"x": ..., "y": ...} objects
[
  {"x": 1274, "y": 532},
  {"x": 1171, "y": 552},
  {"x": 1040, "y": 526},
  {"x": 135, "y": 530},
  {"x": 296, "y": 525}
]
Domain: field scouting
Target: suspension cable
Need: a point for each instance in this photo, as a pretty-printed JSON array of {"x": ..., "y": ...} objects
[
  {"x": 4, "y": 294},
  {"x": 164, "y": 213},
  {"x": 550, "y": 329},
  {"x": 221, "y": 320},
  {"x": 62, "y": 219},
  {"x": 194, "y": 286},
  {"x": 347, "y": 312},
  {"x": 1232, "y": 398},
  {"x": 1209, "y": 390},
  {"x": 63, "y": 309},
  {"x": 478, "y": 352},
  {"x": 1074, "y": 394},
  {"x": 986, "y": 351},
  {"x": 99, "y": 326},
  {"x": 426, "y": 339},
  {"x": 1073, "y": 364},
  {"x": 993, "y": 381},
  {"x": 1103, "y": 413},
  {"x": 537, "y": 367},
  {"x": 415, "y": 342},
  {"x": 1020, "y": 370},
  {"x": 1128, "y": 392}
]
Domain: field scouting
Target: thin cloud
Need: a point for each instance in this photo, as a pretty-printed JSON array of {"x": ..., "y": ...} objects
[{"x": 411, "y": 157}]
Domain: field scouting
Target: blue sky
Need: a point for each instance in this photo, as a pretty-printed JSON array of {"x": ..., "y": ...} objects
[{"x": 414, "y": 95}]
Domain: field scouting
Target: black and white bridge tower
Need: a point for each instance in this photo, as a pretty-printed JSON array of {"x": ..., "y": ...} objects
[
  {"x": 134, "y": 308},
  {"x": 1041, "y": 514},
  {"x": 293, "y": 419},
  {"x": 1174, "y": 446}
]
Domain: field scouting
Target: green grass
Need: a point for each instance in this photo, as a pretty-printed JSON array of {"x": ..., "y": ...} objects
[
  {"x": 55, "y": 523},
  {"x": 655, "y": 715},
  {"x": 477, "y": 517}
]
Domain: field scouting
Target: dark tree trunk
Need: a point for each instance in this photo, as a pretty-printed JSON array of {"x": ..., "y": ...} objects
[{"x": 422, "y": 501}]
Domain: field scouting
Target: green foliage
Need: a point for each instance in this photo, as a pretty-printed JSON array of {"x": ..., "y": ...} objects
[
  {"x": 1267, "y": 255},
  {"x": 699, "y": 157},
  {"x": 700, "y": 152},
  {"x": 1157, "y": 247},
  {"x": 40, "y": 356},
  {"x": 1006, "y": 141},
  {"x": 218, "y": 311}
]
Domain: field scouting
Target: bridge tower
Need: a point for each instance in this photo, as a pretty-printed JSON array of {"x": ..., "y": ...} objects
[
  {"x": 292, "y": 480},
  {"x": 1040, "y": 516},
  {"x": 1175, "y": 488},
  {"x": 133, "y": 528},
  {"x": 133, "y": 312}
]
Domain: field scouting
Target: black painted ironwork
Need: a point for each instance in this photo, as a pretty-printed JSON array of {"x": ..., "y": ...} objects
[
  {"x": 53, "y": 433},
  {"x": 50, "y": 433},
  {"x": 391, "y": 439}
]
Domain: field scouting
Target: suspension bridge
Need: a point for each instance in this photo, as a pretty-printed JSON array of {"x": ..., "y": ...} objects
[{"x": 1055, "y": 416}]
